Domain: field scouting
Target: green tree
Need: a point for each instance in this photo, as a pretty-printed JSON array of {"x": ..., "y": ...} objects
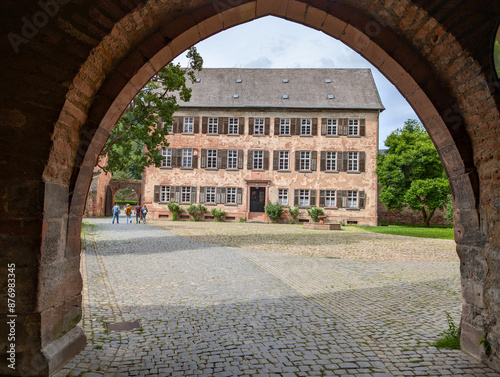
[
  {"x": 411, "y": 173},
  {"x": 134, "y": 141}
]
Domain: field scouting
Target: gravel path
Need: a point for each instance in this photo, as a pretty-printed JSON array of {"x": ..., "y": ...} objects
[{"x": 207, "y": 310}]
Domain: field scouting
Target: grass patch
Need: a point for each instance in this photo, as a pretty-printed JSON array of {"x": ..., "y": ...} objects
[
  {"x": 434, "y": 231},
  {"x": 450, "y": 338}
]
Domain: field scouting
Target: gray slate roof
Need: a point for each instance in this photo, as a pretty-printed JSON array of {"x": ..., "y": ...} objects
[{"x": 306, "y": 88}]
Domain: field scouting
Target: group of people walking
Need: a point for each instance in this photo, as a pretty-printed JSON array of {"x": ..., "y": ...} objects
[{"x": 140, "y": 213}]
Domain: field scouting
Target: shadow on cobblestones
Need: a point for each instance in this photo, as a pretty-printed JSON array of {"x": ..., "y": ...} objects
[{"x": 219, "y": 311}]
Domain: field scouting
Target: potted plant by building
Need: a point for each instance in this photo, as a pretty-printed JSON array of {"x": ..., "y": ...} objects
[
  {"x": 274, "y": 211},
  {"x": 315, "y": 212},
  {"x": 218, "y": 214}
]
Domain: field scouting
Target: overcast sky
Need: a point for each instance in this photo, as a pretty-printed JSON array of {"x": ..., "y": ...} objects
[{"x": 272, "y": 42}]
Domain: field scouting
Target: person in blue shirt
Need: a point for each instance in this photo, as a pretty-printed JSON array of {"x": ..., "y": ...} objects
[
  {"x": 144, "y": 212},
  {"x": 116, "y": 214}
]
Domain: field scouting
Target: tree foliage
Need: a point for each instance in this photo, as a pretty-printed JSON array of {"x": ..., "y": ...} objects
[
  {"x": 134, "y": 141},
  {"x": 411, "y": 173}
]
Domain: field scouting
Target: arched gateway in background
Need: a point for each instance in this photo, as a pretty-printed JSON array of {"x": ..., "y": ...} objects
[{"x": 70, "y": 68}]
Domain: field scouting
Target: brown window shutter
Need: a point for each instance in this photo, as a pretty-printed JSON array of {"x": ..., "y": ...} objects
[
  {"x": 250, "y": 126},
  {"x": 239, "y": 195},
  {"x": 312, "y": 198},
  {"x": 175, "y": 122},
  {"x": 295, "y": 197},
  {"x": 222, "y": 195},
  {"x": 267, "y": 126},
  {"x": 276, "y": 156},
  {"x": 219, "y": 158},
  {"x": 324, "y": 122},
  {"x": 177, "y": 194},
  {"x": 361, "y": 199},
  {"x": 362, "y": 127},
  {"x": 196, "y": 127},
  {"x": 217, "y": 195},
  {"x": 193, "y": 194},
  {"x": 276, "y": 126},
  {"x": 195, "y": 161},
  {"x": 345, "y": 160},
  {"x": 314, "y": 160},
  {"x": 220, "y": 125},
  {"x": 292, "y": 126},
  {"x": 202, "y": 194},
  {"x": 362, "y": 161},
  {"x": 241, "y": 126},
  {"x": 178, "y": 157},
  {"x": 223, "y": 154},
  {"x": 314, "y": 128},
  {"x": 322, "y": 164},
  {"x": 339, "y": 199},
  {"x": 266, "y": 160},
  {"x": 322, "y": 194},
  {"x": 156, "y": 194},
  {"x": 240, "y": 159},
  {"x": 297, "y": 160},
  {"x": 159, "y": 125},
  {"x": 203, "y": 159},
  {"x": 180, "y": 125},
  {"x": 204, "y": 125},
  {"x": 298, "y": 125},
  {"x": 250, "y": 160},
  {"x": 346, "y": 126}
]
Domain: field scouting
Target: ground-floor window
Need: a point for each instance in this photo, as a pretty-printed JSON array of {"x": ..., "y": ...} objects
[
  {"x": 330, "y": 198},
  {"x": 231, "y": 195},
  {"x": 303, "y": 197},
  {"x": 185, "y": 194},
  {"x": 165, "y": 194},
  {"x": 283, "y": 197},
  {"x": 210, "y": 195},
  {"x": 352, "y": 199}
]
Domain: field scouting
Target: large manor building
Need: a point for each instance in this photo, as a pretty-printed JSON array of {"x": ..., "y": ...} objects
[{"x": 306, "y": 137}]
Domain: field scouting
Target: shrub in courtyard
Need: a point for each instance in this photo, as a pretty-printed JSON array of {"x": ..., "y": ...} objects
[
  {"x": 196, "y": 211},
  {"x": 218, "y": 214},
  {"x": 450, "y": 338},
  {"x": 274, "y": 211},
  {"x": 294, "y": 212},
  {"x": 315, "y": 212},
  {"x": 176, "y": 210}
]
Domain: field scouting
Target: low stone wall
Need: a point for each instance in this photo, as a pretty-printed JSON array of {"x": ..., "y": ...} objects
[{"x": 409, "y": 217}]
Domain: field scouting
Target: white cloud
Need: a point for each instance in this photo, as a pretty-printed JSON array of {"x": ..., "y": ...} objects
[{"x": 271, "y": 42}]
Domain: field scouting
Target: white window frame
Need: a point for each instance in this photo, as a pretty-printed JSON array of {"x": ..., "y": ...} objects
[
  {"x": 330, "y": 198},
  {"x": 211, "y": 158},
  {"x": 305, "y": 160},
  {"x": 304, "y": 198},
  {"x": 306, "y": 127},
  {"x": 258, "y": 160},
  {"x": 352, "y": 199},
  {"x": 210, "y": 195},
  {"x": 170, "y": 128},
  {"x": 353, "y": 127},
  {"x": 331, "y": 127},
  {"x": 231, "y": 195},
  {"x": 233, "y": 126},
  {"x": 258, "y": 126},
  {"x": 187, "y": 158},
  {"x": 331, "y": 161},
  {"x": 186, "y": 194},
  {"x": 213, "y": 126},
  {"x": 167, "y": 158},
  {"x": 283, "y": 197},
  {"x": 164, "y": 193},
  {"x": 285, "y": 126},
  {"x": 188, "y": 126},
  {"x": 232, "y": 159},
  {"x": 353, "y": 161},
  {"x": 284, "y": 160}
]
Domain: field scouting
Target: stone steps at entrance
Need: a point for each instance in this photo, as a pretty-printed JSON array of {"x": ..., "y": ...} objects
[{"x": 257, "y": 216}]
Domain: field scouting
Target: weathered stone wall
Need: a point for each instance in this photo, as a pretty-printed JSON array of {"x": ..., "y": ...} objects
[
  {"x": 67, "y": 81},
  {"x": 97, "y": 195}
]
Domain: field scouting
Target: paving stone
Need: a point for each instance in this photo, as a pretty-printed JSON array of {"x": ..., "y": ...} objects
[{"x": 206, "y": 310}]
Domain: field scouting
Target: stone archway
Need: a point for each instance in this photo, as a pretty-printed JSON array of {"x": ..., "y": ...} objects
[{"x": 442, "y": 66}]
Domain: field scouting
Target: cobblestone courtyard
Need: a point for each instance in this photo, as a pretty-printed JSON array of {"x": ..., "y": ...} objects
[{"x": 223, "y": 311}]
